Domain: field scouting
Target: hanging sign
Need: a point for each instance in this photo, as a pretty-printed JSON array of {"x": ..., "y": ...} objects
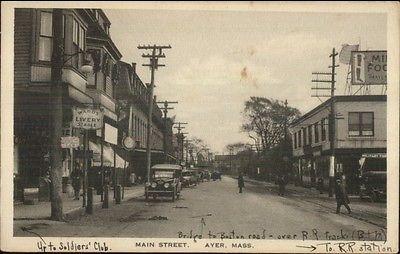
[
  {"x": 69, "y": 142},
  {"x": 87, "y": 118}
]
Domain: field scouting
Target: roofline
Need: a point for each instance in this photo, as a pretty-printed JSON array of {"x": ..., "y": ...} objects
[{"x": 339, "y": 98}]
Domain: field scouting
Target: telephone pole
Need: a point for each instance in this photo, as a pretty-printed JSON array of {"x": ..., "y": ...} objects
[
  {"x": 156, "y": 53},
  {"x": 286, "y": 147},
  {"x": 187, "y": 150},
  {"x": 56, "y": 119},
  {"x": 180, "y": 138},
  {"x": 165, "y": 111},
  {"x": 332, "y": 114}
]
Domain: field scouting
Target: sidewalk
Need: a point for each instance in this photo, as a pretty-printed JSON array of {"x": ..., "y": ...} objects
[
  {"x": 364, "y": 210},
  {"x": 71, "y": 208}
]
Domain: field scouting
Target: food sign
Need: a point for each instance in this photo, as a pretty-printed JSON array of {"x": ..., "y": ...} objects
[{"x": 369, "y": 67}]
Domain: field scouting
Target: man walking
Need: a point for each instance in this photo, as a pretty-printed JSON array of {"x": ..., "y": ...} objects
[
  {"x": 76, "y": 181},
  {"x": 240, "y": 182},
  {"x": 341, "y": 196}
]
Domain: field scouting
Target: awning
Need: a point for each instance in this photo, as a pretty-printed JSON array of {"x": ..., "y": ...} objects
[
  {"x": 108, "y": 155},
  {"x": 119, "y": 162}
]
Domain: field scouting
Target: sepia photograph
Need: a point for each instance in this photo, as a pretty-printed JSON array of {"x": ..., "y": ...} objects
[{"x": 200, "y": 127}]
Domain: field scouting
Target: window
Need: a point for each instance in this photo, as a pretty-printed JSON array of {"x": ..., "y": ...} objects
[
  {"x": 361, "y": 123},
  {"x": 309, "y": 135},
  {"x": 323, "y": 129},
  {"x": 299, "y": 138},
  {"x": 316, "y": 133},
  {"x": 304, "y": 137},
  {"x": 78, "y": 39},
  {"x": 295, "y": 140},
  {"x": 46, "y": 36}
]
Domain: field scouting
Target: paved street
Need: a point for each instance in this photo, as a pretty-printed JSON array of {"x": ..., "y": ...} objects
[{"x": 213, "y": 209}]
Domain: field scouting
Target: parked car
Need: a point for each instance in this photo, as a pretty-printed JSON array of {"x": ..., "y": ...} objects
[
  {"x": 373, "y": 171},
  {"x": 205, "y": 175},
  {"x": 165, "y": 181},
  {"x": 189, "y": 177},
  {"x": 216, "y": 175}
]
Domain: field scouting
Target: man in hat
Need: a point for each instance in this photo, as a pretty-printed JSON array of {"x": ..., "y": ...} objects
[{"x": 341, "y": 196}]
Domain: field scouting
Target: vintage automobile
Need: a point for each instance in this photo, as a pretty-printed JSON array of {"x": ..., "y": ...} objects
[
  {"x": 216, "y": 175},
  {"x": 165, "y": 181},
  {"x": 373, "y": 172},
  {"x": 205, "y": 175},
  {"x": 189, "y": 177}
]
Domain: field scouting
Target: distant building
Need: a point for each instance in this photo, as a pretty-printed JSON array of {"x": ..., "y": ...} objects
[{"x": 359, "y": 128}]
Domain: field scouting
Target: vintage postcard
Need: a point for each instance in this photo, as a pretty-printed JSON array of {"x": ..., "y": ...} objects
[{"x": 251, "y": 127}]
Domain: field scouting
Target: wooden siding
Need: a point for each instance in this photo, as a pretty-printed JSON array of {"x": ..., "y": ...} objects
[{"x": 22, "y": 45}]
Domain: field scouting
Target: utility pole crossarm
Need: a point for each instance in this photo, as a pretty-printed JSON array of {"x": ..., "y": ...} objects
[{"x": 153, "y": 47}]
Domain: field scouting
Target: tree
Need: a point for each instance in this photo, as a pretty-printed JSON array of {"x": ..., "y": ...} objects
[
  {"x": 265, "y": 121},
  {"x": 198, "y": 150}
]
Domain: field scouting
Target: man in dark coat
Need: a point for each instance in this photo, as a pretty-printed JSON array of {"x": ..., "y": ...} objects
[
  {"x": 76, "y": 181},
  {"x": 240, "y": 182},
  {"x": 341, "y": 196}
]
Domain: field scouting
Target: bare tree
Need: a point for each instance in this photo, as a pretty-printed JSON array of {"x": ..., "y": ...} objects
[
  {"x": 196, "y": 148},
  {"x": 265, "y": 120}
]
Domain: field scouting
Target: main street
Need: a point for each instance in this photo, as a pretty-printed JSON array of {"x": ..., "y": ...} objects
[{"x": 215, "y": 209}]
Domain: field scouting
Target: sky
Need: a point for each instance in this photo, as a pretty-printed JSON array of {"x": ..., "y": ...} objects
[{"x": 219, "y": 59}]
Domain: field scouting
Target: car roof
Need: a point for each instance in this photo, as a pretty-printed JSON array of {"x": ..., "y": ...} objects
[{"x": 167, "y": 166}]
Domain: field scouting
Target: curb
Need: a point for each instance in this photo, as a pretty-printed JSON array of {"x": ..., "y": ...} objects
[{"x": 80, "y": 211}]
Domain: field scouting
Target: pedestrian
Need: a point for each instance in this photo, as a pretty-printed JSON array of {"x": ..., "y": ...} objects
[
  {"x": 341, "y": 196},
  {"x": 76, "y": 176},
  {"x": 320, "y": 185},
  {"x": 240, "y": 182},
  {"x": 281, "y": 183}
]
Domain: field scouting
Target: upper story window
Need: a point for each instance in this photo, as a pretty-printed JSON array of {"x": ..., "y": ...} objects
[
  {"x": 78, "y": 42},
  {"x": 304, "y": 136},
  {"x": 316, "y": 133},
  {"x": 46, "y": 36},
  {"x": 323, "y": 129},
  {"x": 295, "y": 140},
  {"x": 361, "y": 123},
  {"x": 299, "y": 138},
  {"x": 309, "y": 129}
]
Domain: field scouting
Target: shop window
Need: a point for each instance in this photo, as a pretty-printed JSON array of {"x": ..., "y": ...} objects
[
  {"x": 46, "y": 36},
  {"x": 361, "y": 124}
]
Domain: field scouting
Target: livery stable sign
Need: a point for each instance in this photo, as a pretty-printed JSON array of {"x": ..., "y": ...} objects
[{"x": 87, "y": 118}]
